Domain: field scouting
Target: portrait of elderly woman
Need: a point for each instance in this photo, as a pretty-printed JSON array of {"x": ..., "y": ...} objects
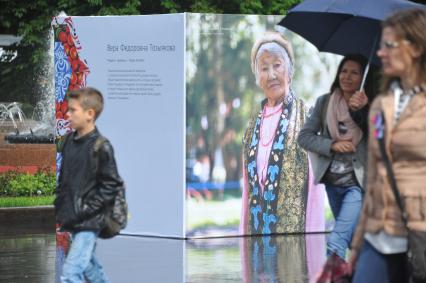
[{"x": 278, "y": 194}]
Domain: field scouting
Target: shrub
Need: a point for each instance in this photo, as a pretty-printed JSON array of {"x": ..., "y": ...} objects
[
  {"x": 5, "y": 178},
  {"x": 42, "y": 183}
]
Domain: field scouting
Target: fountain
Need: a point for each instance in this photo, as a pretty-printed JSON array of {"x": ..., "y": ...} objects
[
  {"x": 40, "y": 127},
  {"x": 27, "y": 141},
  {"x": 11, "y": 111},
  {"x": 25, "y": 131}
]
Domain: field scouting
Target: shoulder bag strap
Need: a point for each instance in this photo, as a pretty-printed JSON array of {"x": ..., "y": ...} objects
[
  {"x": 97, "y": 146},
  {"x": 390, "y": 173}
]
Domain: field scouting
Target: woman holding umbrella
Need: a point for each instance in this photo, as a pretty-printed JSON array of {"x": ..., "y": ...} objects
[
  {"x": 334, "y": 134},
  {"x": 381, "y": 236}
]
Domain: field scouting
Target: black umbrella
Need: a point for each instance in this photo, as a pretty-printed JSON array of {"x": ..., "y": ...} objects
[{"x": 344, "y": 26}]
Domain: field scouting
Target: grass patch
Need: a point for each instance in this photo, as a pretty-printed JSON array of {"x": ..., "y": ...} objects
[
  {"x": 209, "y": 224},
  {"x": 213, "y": 213},
  {"x": 26, "y": 201}
]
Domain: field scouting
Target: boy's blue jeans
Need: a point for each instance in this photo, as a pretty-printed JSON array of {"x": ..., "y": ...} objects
[
  {"x": 81, "y": 262},
  {"x": 346, "y": 204}
]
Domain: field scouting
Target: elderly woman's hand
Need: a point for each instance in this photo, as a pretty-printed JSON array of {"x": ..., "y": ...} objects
[{"x": 358, "y": 100}]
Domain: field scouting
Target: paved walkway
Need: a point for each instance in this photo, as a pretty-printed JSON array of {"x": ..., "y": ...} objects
[
  {"x": 126, "y": 259},
  {"x": 27, "y": 258}
]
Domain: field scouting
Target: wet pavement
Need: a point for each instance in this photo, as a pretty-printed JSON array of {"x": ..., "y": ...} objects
[
  {"x": 291, "y": 258},
  {"x": 27, "y": 258}
]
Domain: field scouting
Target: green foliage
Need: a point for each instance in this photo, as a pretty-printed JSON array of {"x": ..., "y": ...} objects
[
  {"x": 13, "y": 183},
  {"x": 226, "y": 214},
  {"x": 211, "y": 224},
  {"x": 31, "y": 20},
  {"x": 26, "y": 201},
  {"x": 270, "y": 7},
  {"x": 171, "y": 6},
  {"x": 262, "y": 7},
  {"x": 5, "y": 178}
]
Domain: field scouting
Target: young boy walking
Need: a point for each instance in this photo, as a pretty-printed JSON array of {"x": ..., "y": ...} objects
[{"x": 87, "y": 185}]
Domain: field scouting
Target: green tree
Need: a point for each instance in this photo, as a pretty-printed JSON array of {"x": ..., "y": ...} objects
[{"x": 20, "y": 77}]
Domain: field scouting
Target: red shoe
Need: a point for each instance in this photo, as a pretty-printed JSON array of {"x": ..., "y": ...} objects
[{"x": 335, "y": 270}]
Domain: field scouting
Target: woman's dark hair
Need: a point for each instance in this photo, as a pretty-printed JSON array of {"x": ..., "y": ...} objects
[{"x": 362, "y": 61}]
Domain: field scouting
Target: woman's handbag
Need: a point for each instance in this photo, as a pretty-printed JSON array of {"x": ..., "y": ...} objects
[{"x": 416, "y": 254}]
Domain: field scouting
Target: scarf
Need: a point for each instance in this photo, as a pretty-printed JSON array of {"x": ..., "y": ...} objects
[
  {"x": 339, "y": 121},
  {"x": 281, "y": 207}
]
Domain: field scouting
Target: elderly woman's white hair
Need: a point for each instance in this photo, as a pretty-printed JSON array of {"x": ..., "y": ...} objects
[{"x": 272, "y": 42}]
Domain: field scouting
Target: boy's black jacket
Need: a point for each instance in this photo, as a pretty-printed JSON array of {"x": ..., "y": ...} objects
[{"x": 87, "y": 184}]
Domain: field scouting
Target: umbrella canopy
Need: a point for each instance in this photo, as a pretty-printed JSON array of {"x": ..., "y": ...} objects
[{"x": 343, "y": 26}]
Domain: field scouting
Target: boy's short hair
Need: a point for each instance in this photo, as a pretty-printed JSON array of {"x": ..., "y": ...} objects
[{"x": 89, "y": 98}]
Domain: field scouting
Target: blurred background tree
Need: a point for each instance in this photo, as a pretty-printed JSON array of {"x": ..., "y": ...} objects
[
  {"x": 21, "y": 64},
  {"x": 221, "y": 91}
]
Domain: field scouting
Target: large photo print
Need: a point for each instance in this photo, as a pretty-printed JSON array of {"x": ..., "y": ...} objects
[{"x": 245, "y": 172}]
